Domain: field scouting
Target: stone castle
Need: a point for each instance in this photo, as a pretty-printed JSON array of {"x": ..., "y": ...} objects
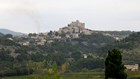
[{"x": 74, "y": 29}]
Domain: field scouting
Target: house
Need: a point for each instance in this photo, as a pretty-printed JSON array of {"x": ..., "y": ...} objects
[
  {"x": 85, "y": 56},
  {"x": 26, "y": 43},
  {"x": 134, "y": 67},
  {"x": 10, "y": 39},
  {"x": 41, "y": 41}
]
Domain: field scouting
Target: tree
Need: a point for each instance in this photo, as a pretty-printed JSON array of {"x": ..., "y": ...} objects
[
  {"x": 32, "y": 34},
  {"x": 114, "y": 68},
  {"x": 76, "y": 55},
  {"x": 8, "y": 36},
  {"x": 56, "y": 33},
  {"x": 50, "y": 33},
  {"x": 53, "y": 72}
]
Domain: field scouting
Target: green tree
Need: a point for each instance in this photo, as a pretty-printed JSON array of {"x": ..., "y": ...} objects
[
  {"x": 114, "y": 68},
  {"x": 50, "y": 33},
  {"x": 56, "y": 33},
  {"x": 76, "y": 55},
  {"x": 8, "y": 36},
  {"x": 32, "y": 34},
  {"x": 53, "y": 72}
]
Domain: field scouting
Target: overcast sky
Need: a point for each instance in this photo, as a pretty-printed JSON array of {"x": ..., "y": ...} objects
[{"x": 45, "y": 15}]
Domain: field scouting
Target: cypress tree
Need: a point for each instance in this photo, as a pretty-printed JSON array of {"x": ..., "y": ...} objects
[{"x": 114, "y": 68}]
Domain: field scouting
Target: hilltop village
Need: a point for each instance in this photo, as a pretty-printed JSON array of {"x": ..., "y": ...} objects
[
  {"x": 74, "y": 44},
  {"x": 72, "y": 30}
]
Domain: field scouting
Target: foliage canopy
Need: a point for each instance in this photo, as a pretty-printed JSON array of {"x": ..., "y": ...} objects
[{"x": 114, "y": 68}]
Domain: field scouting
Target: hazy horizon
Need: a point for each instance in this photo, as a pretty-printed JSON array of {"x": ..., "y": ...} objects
[{"x": 44, "y": 15}]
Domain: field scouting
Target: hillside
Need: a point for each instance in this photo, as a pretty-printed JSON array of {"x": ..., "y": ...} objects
[
  {"x": 118, "y": 35},
  {"x": 130, "y": 47},
  {"x": 6, "y": 31},
  {"x": 87, "y": 51},
  {"x": 63, "y": 50},
  {"x": 74, "y": 44}
]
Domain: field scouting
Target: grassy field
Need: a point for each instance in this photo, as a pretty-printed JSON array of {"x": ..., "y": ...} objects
[
  {"x": 31, "y": 77},
  {"x": 81, "y": 75},
  {"x": 43, "y": 77}
]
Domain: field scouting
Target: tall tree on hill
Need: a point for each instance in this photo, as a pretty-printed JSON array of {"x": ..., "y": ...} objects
[{"x": 114, "y": 68}]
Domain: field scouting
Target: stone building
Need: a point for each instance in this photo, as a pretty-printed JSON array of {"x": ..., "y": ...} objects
[
  {"x": 132, "y": 67},
  {"x": 41, "y": 41},
  {"x": 26, "y": 43},
  {"x": 77, "y": 24},
  {"x": 74, "y": 29}
]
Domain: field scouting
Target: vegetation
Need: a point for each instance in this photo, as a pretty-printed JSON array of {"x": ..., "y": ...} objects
[
  {"x": 88, "y": 64},
  {"x": 130, "y": 47},
  {"x": 80, "y": 75},
  {"x": 114, "y": 68},
  {"x": 16, "y": 59}
]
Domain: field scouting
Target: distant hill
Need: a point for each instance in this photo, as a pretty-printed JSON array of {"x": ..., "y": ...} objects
[
  {"x": 6, "y": 31},
  {"x": 116, "y": 34},
  {"x": 86, "y": 51},
  {"x": 130, "y": 47}
]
